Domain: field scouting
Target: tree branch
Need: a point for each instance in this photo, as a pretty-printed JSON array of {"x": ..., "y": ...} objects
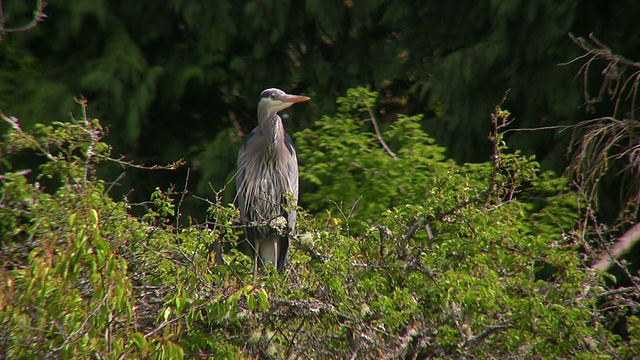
[
  {"x": 38, "y": 16},
  {"x": 622, "y": 246},
  {"x": 375, "y": 127},
  {"x": 483, "y": 335},
  {"x": 615, "y": 81}
]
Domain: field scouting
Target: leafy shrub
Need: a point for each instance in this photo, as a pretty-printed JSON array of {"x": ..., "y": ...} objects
[{"x": 406, "y": 255}]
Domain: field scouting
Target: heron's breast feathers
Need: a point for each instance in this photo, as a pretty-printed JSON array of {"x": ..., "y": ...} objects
[{"x": 263, "y": 185}]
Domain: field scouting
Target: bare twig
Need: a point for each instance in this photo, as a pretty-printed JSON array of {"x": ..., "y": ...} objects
[
  {"x": 93, "y": 134},
  {"x": 15, "y": 124},
  {"x": 82, "y": 328},
  {"x": 184, "y": 192},
  {"x": 38, "y": 17},
  {"x": 236, "y": 124},
  {"x": 616, "y": 83},
  {"x": 542, "y": 128},
  {"x": 620, "y": 291},
  {"x": 18, "y": 173},
  {"x": 346, "y": 217},
  {"x": 172, "y": 166},
  {"x": 375, "y": 127}
]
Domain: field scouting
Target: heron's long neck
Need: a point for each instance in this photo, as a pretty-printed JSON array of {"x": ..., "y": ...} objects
[{"x": 273, "y": 131}]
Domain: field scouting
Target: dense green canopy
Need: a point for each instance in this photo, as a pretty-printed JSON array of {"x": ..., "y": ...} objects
[
  {"x": 421, "y": 233},
  {"x": 181, "y": 78}
]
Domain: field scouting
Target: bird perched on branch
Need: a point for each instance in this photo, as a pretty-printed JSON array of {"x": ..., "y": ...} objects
[{"x": 267, "y": 171}]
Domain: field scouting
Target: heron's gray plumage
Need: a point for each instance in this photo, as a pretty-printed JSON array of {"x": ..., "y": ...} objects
[{"x": 267, "y": 170}]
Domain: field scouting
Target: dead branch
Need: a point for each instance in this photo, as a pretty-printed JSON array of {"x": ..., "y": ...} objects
[
  {"x": 622, "y": 245},
  {"x": 616, "y": 82},
  {"x": 599, "y": 145},
  {"x": 600, "y": 142}
]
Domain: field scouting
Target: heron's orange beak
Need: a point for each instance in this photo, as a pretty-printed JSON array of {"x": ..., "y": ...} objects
[{"x": 294, "y": 98}]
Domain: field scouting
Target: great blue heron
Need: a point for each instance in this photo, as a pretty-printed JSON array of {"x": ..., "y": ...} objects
[{"x": 267, "y": 170}]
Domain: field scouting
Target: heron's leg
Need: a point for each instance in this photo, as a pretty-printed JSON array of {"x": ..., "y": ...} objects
[{"x": 276, "y": 245}]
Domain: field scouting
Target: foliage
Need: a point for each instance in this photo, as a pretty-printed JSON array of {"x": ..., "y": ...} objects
[
  {"x": 170, "y": 81},
  {"x": 435, "y": 260},
  {"x": 66, "y": 290},
  {"x": 352, "y": 172}
]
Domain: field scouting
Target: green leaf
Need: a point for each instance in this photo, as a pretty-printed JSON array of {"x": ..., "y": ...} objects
[
  {"x": 263, "y": 299},
  {"x": 251, "y": 302}
]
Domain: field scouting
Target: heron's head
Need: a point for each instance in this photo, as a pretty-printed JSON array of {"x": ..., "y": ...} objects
[{"x": 274, "y": 100}]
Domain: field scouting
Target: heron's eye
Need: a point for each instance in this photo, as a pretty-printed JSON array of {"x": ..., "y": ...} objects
[{"x": 273, "y": 96}]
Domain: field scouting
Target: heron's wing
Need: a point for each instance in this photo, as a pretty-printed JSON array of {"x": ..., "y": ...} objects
[
  {"x": 244, "y": 178},
  {"x": 293, "y": 181},
  {"x": 241, "y": 173},
  {"x": 290, "y": 171}
]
